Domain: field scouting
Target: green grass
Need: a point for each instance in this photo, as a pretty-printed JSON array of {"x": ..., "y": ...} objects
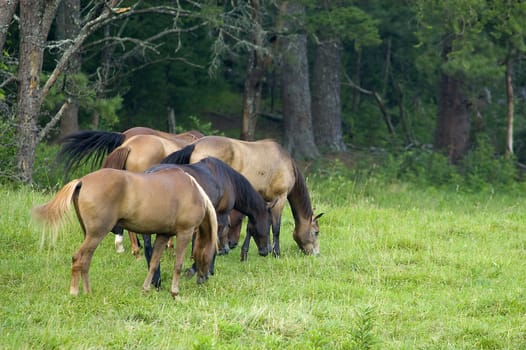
[{"x": 400, "y": 268}]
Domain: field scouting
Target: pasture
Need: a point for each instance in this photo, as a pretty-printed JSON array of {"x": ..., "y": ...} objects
[{"x": 400, "y": 268}]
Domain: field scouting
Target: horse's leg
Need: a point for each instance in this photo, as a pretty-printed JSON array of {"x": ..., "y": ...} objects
[
  {"x": 158, "y": 248},
  {"x": 193, "y": 269},
  {"x": 234, "y": 229},
  {"x": 81, "y": 261},
  {"x": 276, "y": 225},
  {"x": 148, "y": 250},
  {"x": 222, "y": 234},
  {"x": 244, "y": 248},
  {"x": 181, "y": 242},
  {"x": 134, "y": 244},
  {"x": 119, "y": 233}
]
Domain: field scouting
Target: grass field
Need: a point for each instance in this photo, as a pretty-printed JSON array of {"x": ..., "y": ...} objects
[{"x": 400, "y": 268}]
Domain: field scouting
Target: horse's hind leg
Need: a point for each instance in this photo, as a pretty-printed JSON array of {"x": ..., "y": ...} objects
[
  {"x": 181, "y": 242},
  {"x": 158, "y": 248},
  {"x": 81, "y": 262},
  {"x": 134, "y": 244}
]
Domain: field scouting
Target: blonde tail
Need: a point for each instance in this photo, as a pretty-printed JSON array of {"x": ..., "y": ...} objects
[
  {"x": 51, "y": 214},
  {"x": 211, "y": 217}
]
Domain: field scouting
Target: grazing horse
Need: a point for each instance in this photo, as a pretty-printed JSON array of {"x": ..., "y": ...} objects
[
  {"x": 272, "y": 172},
  {"x": 81, "y": 147},
  {"x": 227, "y": 190},
  {"x": 168, "y": 203}
]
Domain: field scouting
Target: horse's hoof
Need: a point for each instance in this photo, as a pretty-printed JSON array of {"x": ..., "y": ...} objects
[
  {"x": 275, "y": 254},
  {"x": 189, "y": 273},
  {"x": 244, "y": 256},
  {"x": 223, "y": 251},
  {"x": 202, "y": 279}
]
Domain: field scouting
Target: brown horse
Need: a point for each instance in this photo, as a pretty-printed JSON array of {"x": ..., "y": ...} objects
[
  {"x": 272, "y": 172},
  {"x": 168, "y": 203},
  {"x": 90, "y": 147},
  {"x": 137, "y": 154}
]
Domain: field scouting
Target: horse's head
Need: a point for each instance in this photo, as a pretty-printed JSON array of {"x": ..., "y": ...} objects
[
  {"x": 307, "y": 240},
  {"x": 260, "y": 232}
]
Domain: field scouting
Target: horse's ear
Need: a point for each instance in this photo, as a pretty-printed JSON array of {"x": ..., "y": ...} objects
[
  {"x": 271, "y": 205},
  {"x": 318, "y": 216}
]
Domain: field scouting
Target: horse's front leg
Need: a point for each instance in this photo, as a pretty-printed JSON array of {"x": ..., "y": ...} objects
[
  {"x": 245, "y": 247},
  {"x": 158, "y": 248},
  {"x": 181, "y": 242},
  {"x": 148, "y": 251},
  {"x": 80, "y": 263},
  {"x": 276, "y": 226}
]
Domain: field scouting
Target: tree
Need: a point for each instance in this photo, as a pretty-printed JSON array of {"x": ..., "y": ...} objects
[
  {"x": 258, "y": 59},
  {"x": 296, "y": 97},
  {"x": 67, "y": 27},
  {"x": 7, "y": 10},
  {"x": 36, "y": 17},
  {"x": 330, "y": 23}
]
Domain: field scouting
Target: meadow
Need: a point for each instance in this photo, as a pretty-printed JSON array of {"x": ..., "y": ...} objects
[{"x": 401, "y": 267}]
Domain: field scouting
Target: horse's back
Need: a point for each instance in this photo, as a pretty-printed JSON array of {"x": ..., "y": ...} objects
[{"x": 265, "y": 164}]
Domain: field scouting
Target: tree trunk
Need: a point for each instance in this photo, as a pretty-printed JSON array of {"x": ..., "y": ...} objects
[
  {"x": 453, "y": 125},
  {"x": 298, "y": 136},
  {"x": 67, "y": 27},
  {"x": 509, "y": 97},
  {"x": 7, "y": 10},
  {"x": 326, "y": 106},
  {"x": 254, "y": 78},
  {"x": 35, "y": 20}
]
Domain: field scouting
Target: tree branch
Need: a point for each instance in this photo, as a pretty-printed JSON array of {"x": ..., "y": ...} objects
[
  {"x": 381, "y": 105},
  {"x": 43, "y": 133}
]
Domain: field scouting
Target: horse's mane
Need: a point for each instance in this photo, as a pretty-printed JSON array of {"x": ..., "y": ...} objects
[
  {"x": 246, "y": 195},
  {"x": 299, "y": 195},
  {"x": 180, "y": 157},
  {"x": 87, "y": 147}
]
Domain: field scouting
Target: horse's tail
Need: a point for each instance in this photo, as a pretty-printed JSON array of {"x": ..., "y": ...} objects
[
  {"x": 180, "y": 157},
  {"x": 117, "y": 158},
  {"x": 208, "y": 227},
  {"x": 81, "y": 147},
  {"x": 298, "y": 196},
  {"x": 52, "y": 213}
]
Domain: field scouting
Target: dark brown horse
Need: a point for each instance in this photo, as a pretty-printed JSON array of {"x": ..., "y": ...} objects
[
  {"x": 168, "y": 203},
  {"x": 227, "y": 190},
  {"x": 90, "y": 147},
  {"x": 272, "y": 172}
]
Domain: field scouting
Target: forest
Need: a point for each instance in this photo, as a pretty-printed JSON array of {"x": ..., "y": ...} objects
[{"x": 436, "y": 86}]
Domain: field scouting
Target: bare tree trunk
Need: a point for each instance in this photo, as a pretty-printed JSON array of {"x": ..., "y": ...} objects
[
  {"x": 7, "y": 10},
  {"x": 298, "y": 136},
  {"x": 67, "y": 27},
  {"x": 509, "y": 96},
  {"x": 453, "y": 125},
  {"x": 326, "y": 105},
  {"x": 35, "y": 20}
]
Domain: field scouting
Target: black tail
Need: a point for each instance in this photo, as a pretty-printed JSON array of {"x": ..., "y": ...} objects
[
  {"x": 87, "y": 147},
  {"x": 180, "y": 157}
]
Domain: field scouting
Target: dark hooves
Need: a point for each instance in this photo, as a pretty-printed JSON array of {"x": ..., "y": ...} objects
[
  {"x": 190, "y": 272},
  {"x": 202, "y": 279}
]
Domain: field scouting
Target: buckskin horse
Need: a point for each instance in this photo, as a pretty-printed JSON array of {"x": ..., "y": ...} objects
[
  {"x": 137, "y": 154},
  {"x": 227, "y": 190},
  {"x": 272, "y": 172},
  {"x": 167, "y": 203}
]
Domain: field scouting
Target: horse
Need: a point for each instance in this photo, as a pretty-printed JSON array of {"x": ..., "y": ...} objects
[
  {"x": 81, "y": 147},
  {"x": 167, "y": 203},
  {"x": 137, "y": 154},
  {"x": 227, "y": 190},
  {"x": 272, "y": 172}
]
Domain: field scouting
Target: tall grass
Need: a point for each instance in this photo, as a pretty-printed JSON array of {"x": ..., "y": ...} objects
[{"x": 401, "y": 267}]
